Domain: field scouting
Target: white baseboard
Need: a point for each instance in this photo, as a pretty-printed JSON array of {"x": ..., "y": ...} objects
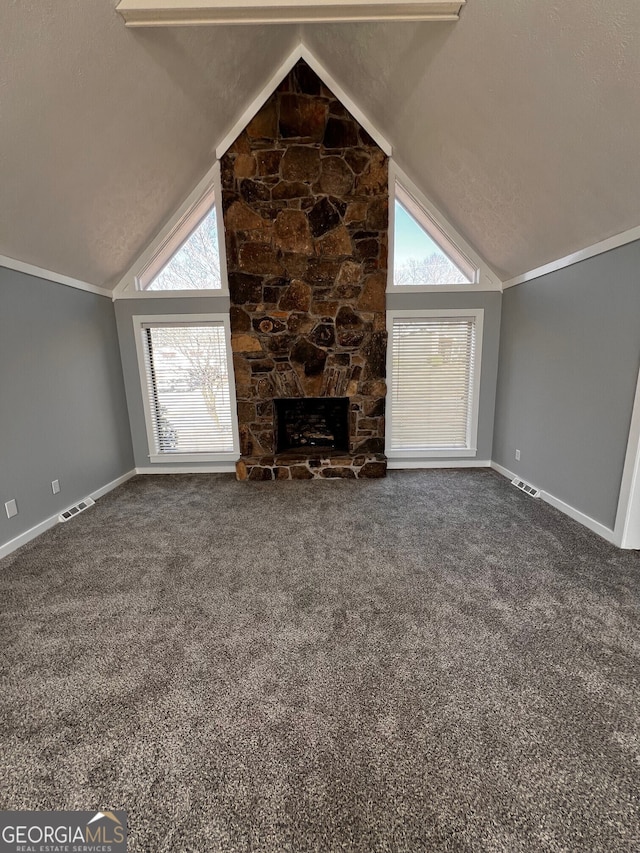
[
  {"x": 112, "y": 485},
  {"x": 399, "y": 464},
  {"x": 504, "y": 471},
  {"x": 221, "y": 468},
  {"x": 13, "y": 544},
  {"x": 566, "y": 508}
]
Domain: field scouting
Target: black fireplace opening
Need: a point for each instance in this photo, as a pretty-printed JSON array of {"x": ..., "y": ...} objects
[{"x": 312, "y": 423}]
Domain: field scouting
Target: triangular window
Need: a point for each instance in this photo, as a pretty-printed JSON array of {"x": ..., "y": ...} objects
[
  {"x": 189, "y": 259},
  {"x": 423, "y": 254}
]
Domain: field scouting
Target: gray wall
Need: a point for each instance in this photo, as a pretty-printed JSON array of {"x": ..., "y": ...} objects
[
  {"x": 126, "y": 309},
  {"x": 491, "y": 302},
  {"x": 62, "y": 406},
  {"x": 569, "y": 357}
]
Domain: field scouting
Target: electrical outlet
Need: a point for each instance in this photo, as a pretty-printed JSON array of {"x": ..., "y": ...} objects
[
  {"x": 55, "y": 486},
  {"x": 12, "y": 508},
  {"x": 517, "y": 455}
]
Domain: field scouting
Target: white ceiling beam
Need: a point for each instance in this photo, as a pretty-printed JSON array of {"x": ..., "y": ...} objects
[{"x": 170, "y": 13}]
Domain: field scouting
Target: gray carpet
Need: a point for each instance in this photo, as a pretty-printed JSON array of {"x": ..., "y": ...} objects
[{"x": 431, "y": 662}]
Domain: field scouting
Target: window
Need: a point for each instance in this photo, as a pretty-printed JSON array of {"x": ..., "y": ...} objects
[
  {"x": 434, "y": 382},
  {"x": 189, "y": 399},
  {"x": 423, "y": 254},
  {"x": 189, "y": 258}
]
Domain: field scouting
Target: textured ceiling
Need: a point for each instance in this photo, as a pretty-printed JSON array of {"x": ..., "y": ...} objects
[
  {"x": 521, "y": 122},
  {"x": 106, "y": 130}
]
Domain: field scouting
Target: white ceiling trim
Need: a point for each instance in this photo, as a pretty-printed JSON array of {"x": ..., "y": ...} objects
[
  {"x": 49, "y": 275},
  {"x": 169, "y": 13},
  {"x": 300, "y": 52},
  {"x": 600, "y": 248}
]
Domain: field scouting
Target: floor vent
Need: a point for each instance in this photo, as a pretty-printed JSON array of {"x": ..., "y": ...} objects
[
  {"x": 76, "y": 510},
  {"x": 526, "y": 487}
]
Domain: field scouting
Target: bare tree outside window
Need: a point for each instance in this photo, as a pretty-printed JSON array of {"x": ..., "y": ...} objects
[
  {"x": 433, "y": 269},
  {"x": 419, "y": 259},
  {"x": 188, "y": 385},
  {"x": 196, "y": 265},
  {"x": 202, "y": 364}
]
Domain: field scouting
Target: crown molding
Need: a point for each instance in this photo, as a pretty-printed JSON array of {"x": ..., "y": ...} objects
[
  {"x": 600, "y": 248},
  {"x": 170, "y": 13},
  {"x": 49, "y": 275}
]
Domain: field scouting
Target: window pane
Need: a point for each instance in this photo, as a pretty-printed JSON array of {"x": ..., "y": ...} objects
[
  {"x": 188, "y": 387},
  {"x": 431, "y": 390},
  {"x": 418, "y": 259},
  {"x": 196, "y": 264}
]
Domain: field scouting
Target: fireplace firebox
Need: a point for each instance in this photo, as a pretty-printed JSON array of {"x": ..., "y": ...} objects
[{"x": 311, "y": 424}]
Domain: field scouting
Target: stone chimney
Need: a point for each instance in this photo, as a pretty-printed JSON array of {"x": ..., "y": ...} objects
[{"x": 305, "y": 201}]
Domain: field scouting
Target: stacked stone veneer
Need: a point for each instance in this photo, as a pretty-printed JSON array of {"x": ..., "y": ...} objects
[{"x": 305, "y": 201}]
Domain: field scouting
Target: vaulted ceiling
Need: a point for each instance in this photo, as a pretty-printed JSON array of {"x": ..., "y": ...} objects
[{"x": 521, "y": 122}]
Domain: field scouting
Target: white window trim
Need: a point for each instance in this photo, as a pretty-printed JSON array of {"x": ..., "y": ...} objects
[
  {"x": 175, "y": 240},
  {"x": 416, "y": 203},
  {"x": 437, "y": 234},
  {"x": 172, "y": 236},
  {"x": 438, "y": 452},
  {"x": 139, "y": 321}
]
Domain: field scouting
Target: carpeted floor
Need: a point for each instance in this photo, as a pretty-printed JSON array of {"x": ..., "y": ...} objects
[{"x": 431, "y": 662}]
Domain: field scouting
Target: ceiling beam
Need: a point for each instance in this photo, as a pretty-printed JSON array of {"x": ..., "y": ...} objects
[{"x": 170, "y": 13}]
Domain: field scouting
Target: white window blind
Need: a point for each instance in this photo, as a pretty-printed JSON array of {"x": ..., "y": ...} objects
[
  {"x": 187, "y": 386},
  {"x": 432, "y": 383}
]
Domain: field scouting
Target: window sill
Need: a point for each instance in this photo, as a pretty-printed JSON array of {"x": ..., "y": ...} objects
[
  {"x": 444, "y": 288},
  {"x": 166, "y": 458},
  {"x": 435, "y": 453},
  {"x": 172, "y": 294}
]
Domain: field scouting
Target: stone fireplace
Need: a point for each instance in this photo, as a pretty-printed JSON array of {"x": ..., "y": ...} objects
[{"x": 305, "y": 203}]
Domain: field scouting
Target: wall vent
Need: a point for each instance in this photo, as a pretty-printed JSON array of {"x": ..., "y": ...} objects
[
  {"x": 68, "y": 514},
  {"x": 526, "y": 487}
]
